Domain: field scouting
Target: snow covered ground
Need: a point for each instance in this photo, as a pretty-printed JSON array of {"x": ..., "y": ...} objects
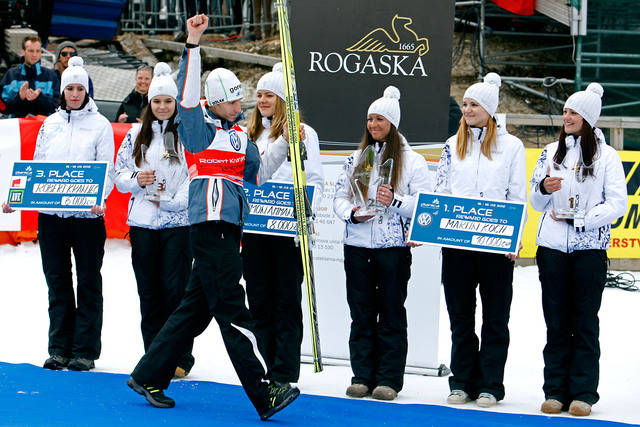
[{"x": 24, "y": 326}]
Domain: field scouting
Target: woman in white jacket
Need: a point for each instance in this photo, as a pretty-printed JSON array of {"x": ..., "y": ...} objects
[
  {"x": 76, "y": 132},
  {"x": 272, "y": 265},
  {"x": 571, "y": 254},
  {"x": 377, "y": 260},
  {"x": 481, "y": 160},
  {"x": 151, "y": 156}
]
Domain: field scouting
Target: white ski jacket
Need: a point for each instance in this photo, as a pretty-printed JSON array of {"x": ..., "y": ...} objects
[
  {"x": 313, "y": 164},
  {"x": 77, "y": 136},
  {"x": 389, "y": 230},
  {"x": 503, "y": 177},
  {"x": 604, "y": 193},
  {"x": 142, "y": 212}
]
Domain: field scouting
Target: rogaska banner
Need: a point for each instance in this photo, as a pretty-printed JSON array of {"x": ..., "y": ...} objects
[
  {"x": 347, "y": 52},
  {"x": 57, "y": 186},
  {"x": 271, "y": 208},
  {"x": 476, "y": 224}
]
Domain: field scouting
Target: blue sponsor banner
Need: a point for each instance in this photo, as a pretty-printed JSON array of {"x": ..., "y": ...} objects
[
  {"x": 57, "y": 186},
  {"x": 475, "y": 224},
  {"x": 272, "y": 208}
]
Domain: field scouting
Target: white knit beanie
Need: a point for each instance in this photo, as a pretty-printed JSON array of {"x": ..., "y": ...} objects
[
  {"x": 273, "y": 81},
  {"x": 162, "y": 83},
  {"x": 587, "y": 103},
  {"x": 486, "y": 93},
  {"x": 75, "y": 74},
  {"x": 222, "y": 86},
  {"x": 388, "y": 106}
]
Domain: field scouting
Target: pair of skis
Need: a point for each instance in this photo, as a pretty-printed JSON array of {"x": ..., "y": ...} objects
[{"x": 301, "y": 200}]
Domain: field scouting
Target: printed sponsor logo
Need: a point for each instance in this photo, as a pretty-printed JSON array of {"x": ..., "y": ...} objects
[
  {"x": 16, "y": 196},
  {"x": 18, "y": 182},
  {"x": 234, "y": 139},
  {"x": 395, "y": 52},
  {"x": 424, "y": 219}
]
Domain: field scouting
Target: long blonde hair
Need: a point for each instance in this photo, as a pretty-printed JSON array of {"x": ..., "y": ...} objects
[
  {"x": 489, "y": 141},
  {"x": 255, "y": 127}
]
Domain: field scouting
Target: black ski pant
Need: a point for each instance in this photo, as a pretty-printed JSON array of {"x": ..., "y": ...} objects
[
  {"x": 162, "y": 264},
  {"x": 74, "y": 330},
  {"x": 377, "y": 282},
  {"x": 572, "y": 287},
  {"x": 478, "y": 366},
  {"x": 273, "y": 275},
  {"x": 213, "y": 291}
]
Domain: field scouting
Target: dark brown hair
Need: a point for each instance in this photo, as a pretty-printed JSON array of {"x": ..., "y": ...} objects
[
  {"x": 393, "y": 150},
  {"x": 146, "y": 133},
  {"x": 588, "y": 145},
  {"x": 32, "y": 39}
]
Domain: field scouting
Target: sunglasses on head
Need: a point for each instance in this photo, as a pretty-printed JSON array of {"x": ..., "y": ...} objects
[{"x": 68, "y": 53}]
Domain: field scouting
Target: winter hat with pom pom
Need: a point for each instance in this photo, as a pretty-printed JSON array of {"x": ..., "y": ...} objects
[
  {"x": 486, "y": 93},
  {"x": 162, "y": 83},
  {"x": 587, "y": 103},
  {"x": 222, "y": 86},
  {"x": 75, "y": 74},
  {"x": 273, "y": 81},
  {"x": 388, "y": 106}
]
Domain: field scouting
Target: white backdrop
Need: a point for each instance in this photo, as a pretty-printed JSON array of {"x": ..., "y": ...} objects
[{"x": 423, "y": 300}]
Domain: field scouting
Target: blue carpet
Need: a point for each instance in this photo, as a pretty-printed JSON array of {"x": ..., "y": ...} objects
[{"x": 32, "y": 396}]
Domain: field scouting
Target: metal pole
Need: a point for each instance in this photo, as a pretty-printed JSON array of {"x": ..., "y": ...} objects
[{"x": 481, "y": 40}]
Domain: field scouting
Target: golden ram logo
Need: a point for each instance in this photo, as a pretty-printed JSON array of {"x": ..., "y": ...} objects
[{"x": 402, "y": 40}]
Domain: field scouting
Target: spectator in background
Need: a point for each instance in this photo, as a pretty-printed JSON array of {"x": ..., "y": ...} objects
[
  {"x": 262, "y": 8},
  {"x": 30, "y": 88},
  {"x": 65, "y": 51},
  {"x": 455, "y": 114},
  {"x": 131, "y": 107},
  {"x": 234, "y": 8}
]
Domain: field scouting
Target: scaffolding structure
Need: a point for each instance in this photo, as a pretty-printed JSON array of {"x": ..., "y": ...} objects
[
  {"x": 572, "y": 43},
  {"x": 169, "y": 16}
]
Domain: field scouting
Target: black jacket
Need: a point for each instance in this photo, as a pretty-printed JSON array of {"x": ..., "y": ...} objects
[{"x": 133, "y": 105}]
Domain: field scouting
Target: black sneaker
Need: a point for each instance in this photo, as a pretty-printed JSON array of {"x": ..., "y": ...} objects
[
  {"x": 279, "y": 398},
  {"x": 281, "y": 384},
  {"x": 155, "y": 396},
  {"x": 56, "y": 362},
  {"x": 81, "y": 364}
]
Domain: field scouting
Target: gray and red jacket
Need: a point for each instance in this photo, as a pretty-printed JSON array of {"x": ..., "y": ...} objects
[{"x": 219, "y": 154}]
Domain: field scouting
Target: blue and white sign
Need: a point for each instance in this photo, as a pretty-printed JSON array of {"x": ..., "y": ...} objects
[
  {"x": 57, "y": 186},
  {"x": 272, "y": 208},
  {"x": 475, "y": 224}
]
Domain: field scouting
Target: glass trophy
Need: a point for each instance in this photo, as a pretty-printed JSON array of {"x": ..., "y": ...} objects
[
  {"x": 570, "y": 202},
  {"x": 156, "y": 191},
  {"x": 367, "y": 174}
]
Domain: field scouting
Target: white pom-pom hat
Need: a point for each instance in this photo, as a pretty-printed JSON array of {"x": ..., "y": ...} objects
[
  {"x": 273, "y": 81},
  {"x": 388, "y": 106},
  {"x": 75, "y": 74},
  {"x": 162, "y": 83},
  {"x": 487, "y": 93},
  {"x": 587, "y": 103},
  {"x": 222, "y": 86}
]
